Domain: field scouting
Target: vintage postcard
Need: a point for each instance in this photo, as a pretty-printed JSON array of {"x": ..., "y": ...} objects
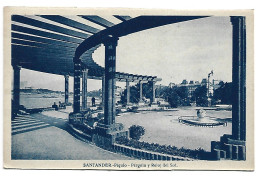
[{"x": 128, "y": 89}]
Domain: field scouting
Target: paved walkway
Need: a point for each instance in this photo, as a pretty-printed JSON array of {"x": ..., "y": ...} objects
[{"x": 42, "y": 137}]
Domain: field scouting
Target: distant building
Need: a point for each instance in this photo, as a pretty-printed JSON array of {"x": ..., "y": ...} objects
[
  {"x": 192, "y": 86},
  {"x": 204, "y": 81},
  {"x": 184, "y": 82},
  {"x": 172, "y": 84},
  {"x": 217, "y": 84}
]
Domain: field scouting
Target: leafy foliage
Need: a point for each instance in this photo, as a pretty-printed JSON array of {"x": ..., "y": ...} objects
[
  {"x": 177, "y": 96},
  {"x": 135, "y": 92},
  {"x": 171, "y": 150},
  {"x": 224, "y": 93},
  {"x": 201, "y": 96},
  {"x": 136, "y": 132},
  {"x": 134, "y": 95}
]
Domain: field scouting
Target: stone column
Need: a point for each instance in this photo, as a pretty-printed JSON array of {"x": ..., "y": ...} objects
[
  {"x": 77, "y": 72},
  {"x": 153, "y": 90},
  {"x": 127, "y": 92},
  {"x": 66, "y": 89},
  {"x": 84, "y": 89},
  {"x": 103, "y": 90},
  {"x": 239, "y": 78},
  {"x": 234, "y": 145},
  {"x": 141, "y": 91},
  {"x": 110, "y": 70},
  {"x": 16, "y": 89}
]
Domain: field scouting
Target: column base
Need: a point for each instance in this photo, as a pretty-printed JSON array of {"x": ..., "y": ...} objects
[
  {"x": 141, "y": 103},
  {"x": 105, "y": 135},
  {"x": 76, "y": 118},
  {"x": 154, "y": 105},
  {"x": 209, "y": 102},
  {"x": 68, "y": 104},
  {"x": 228, "y": 148},
  {"x": 128, "y": 105}
]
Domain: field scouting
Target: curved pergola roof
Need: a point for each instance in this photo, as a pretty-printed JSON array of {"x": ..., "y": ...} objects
[{"x": 48, "y": 43}]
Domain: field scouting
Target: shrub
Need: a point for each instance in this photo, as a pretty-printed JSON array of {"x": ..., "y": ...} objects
[
  {"x": 171, "y": 150},
  {"x": 136, "y": 132},
  {"x": 133, "y": 109}
]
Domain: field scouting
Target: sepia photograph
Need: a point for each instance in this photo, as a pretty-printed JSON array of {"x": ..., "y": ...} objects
[{"x": 123, "y": 89}]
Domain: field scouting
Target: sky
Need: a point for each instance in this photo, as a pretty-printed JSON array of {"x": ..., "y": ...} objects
[{"x": 187, "y": 50}]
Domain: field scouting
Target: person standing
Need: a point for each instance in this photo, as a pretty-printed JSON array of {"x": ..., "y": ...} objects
[{"x": 93, "y": 101}]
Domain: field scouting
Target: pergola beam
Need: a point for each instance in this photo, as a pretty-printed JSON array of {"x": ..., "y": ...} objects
[
  {"x": 98, "y": 20},
  {"x": 45, "y": 34},
  {"x": 48, "y": 26},
  {"x": 131, "y": 26},
  {"x": 26, "y": 51},
  {"x": 43, "y": 40},
  {"x": 47, "y": 48},
  {"x": 71, "y": 23},
  {"x": 122, "y": 17},
  {"x": 43, "y": 47},
  {"x": 133, "y": 77}
]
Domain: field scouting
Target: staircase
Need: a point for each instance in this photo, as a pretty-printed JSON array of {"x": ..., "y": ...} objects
[{"x": 228, "y": 148}]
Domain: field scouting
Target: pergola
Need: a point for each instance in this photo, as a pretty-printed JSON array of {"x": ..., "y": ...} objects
[{"x": 64, "y": 45}]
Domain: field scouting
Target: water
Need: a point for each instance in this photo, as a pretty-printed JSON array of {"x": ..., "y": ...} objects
[{"x": 44, "y": 100}]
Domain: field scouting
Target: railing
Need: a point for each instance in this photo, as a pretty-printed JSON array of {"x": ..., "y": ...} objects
[{"x": 146, "y": 155}]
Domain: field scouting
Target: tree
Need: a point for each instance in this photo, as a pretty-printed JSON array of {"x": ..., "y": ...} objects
[
  {"x": 159, "y": 92},
  {"x": 135, "y": 93},
  {"x": 177, "y": 96},
  {"x": 201, "y": 96},
  {"x": 147, "y": 90},
  {"x": 224, "y": 93},
  {"x": 136, "y": 131}
]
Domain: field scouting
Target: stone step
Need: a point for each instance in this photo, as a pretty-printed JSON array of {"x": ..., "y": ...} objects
[{"x": 27, "y": 129}]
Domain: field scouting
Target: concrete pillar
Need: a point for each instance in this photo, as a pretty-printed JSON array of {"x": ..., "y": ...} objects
[
  {"x": 239, "y": 78},
  {"x": 216, "y": 154},
  {"x": 16, "y": 89},
  {"x": 153, "y": 90},
  {"x": 103, "y": 90},
  {"x": 141, "y": 91},
  {"x": 234, "y": 152},
  {"x": 77, "y": 72},
  {"x": 127, "y": 92},
  {"x": 228, "y": 148},
  {"x": 66, "y": 89},
  {"x": 110, "y": 70},
  {"x": 84, "y": 89},
  {"x": 241, "y": 153}
]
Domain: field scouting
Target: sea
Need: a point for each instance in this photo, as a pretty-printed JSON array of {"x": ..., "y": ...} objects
[{"x": 46, "y": 100}]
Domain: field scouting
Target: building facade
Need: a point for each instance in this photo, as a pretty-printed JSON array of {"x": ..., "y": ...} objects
[{"x": 192, "y": 86}]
